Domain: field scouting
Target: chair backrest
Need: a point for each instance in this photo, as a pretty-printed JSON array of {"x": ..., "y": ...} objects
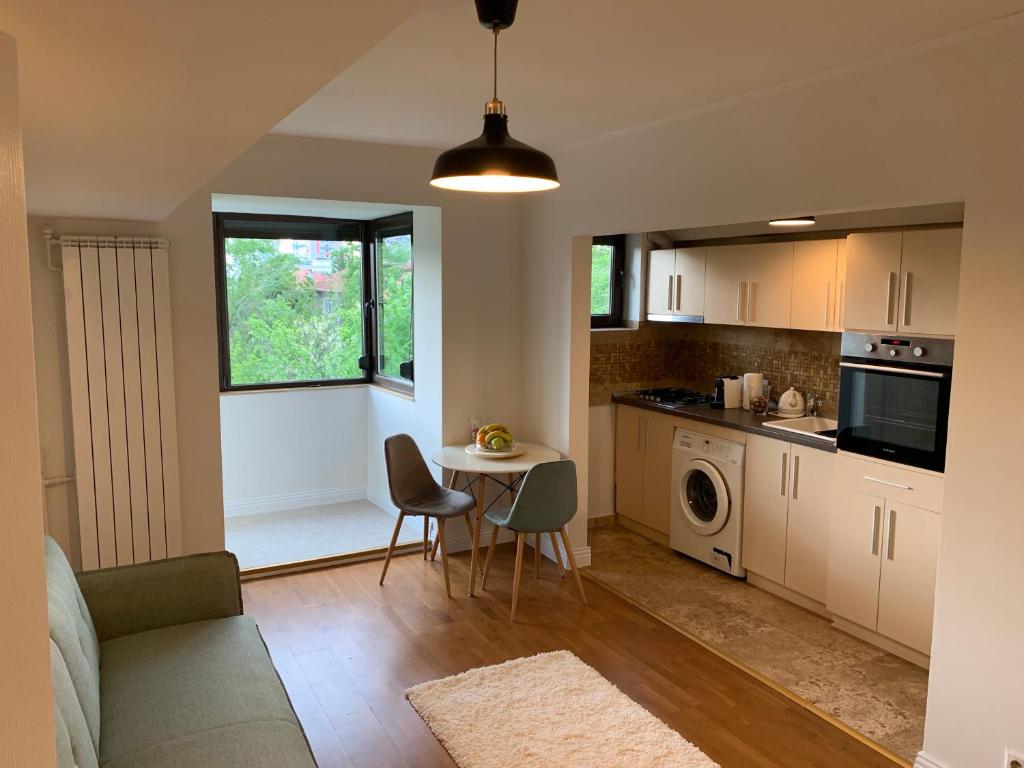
[
  {"x": 74, "y": 664},
  {"x": 547, "y": 498},
  {"x": 409, "y": 477}
]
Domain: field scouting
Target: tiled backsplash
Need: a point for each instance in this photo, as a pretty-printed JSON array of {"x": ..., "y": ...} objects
[{"x": 694, "y": 355}]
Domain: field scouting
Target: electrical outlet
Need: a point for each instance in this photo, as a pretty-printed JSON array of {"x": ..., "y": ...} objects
[{"x": 1014, "y": 758}]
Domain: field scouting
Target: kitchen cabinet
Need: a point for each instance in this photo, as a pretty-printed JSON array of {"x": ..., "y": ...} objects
[
  {"x": 815, "y": 287},
  {"x": 906, "y": 592},
  {"x": 904, "y": 282},
  {"x": 807, "y": 525},
  {"x": 765, "y": 507},
  {"x": 787, "y": 495},
  {"x": 872, "y": 280},
  {"x": 749, "y": 284},
  {"x": 629, "y": 462},
  {"x": 675, "y": 284},
  {"x": 840, "y": 304},
  {"x": 643, "y": 466},
  {"x": 882, "y": 552},
  {"x": 929, "y": 281}
]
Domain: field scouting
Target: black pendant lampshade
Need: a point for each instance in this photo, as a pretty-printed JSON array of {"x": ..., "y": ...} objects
[{"x": 494, "y": 161}]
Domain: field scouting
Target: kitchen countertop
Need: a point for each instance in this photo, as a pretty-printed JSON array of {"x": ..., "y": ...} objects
[{"x": 730, "y": 418}]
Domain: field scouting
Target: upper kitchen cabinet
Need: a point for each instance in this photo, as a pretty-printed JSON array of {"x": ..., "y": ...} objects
[
  {"x": 872, "y": 280},
  {"x": 930, "y": 279},
  {"x": 815, "y": 287},
  {"x": 675, "y": 284},
  {"x": 749, "y": 285},
  {"x": 904, "y": 282}
]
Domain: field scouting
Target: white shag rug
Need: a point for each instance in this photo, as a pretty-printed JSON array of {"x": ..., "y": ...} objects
[{"x": 549, "y": 710}]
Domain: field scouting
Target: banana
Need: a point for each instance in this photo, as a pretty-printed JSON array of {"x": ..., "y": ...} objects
[
  {"x": 498, "y": 433},
  {"x": 496, "y": 427}
]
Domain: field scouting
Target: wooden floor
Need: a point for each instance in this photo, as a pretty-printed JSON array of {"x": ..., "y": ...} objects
[{"x": 347, "y": 649}]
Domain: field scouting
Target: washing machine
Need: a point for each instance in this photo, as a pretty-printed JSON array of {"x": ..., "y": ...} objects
[{"x": 706, "y": 520}]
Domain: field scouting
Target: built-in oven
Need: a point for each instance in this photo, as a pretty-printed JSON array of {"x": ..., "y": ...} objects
[{"x": 894, "y": 398}]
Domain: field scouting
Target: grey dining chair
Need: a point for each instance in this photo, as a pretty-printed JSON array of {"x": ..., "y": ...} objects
[
  {"x": 416, "y": 494},
  {"x": 545, "y": 503}
]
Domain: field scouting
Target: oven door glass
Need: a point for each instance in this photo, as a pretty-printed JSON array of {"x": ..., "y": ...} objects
[{"x": 900, "y": 416}]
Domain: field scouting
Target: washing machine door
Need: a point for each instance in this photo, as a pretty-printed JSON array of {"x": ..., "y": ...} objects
[{"x": 703, "y": 497}]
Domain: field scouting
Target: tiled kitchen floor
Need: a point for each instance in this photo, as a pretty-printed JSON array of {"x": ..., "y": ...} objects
[{"x": 874, "y": 692}]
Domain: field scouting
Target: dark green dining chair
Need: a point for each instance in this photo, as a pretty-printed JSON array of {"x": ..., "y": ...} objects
[{"x": 545, "y": 503}]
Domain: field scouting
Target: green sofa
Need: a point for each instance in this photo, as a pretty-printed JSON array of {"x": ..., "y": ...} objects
[{"x": 154, "y": 666}]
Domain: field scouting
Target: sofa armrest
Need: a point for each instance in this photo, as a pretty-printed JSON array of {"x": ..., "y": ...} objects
[{"x": 135, "y": 598}]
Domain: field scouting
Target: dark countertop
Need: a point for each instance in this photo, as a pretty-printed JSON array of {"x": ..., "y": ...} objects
[{"x": 730, "y": 418}]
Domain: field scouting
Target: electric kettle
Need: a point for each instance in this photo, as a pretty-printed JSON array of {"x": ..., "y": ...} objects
[{"x": 791, "y": 404}]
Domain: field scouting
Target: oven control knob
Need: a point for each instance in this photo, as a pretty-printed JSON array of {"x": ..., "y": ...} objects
[
  {"x": 893, "y": 352},
  {"x": 869, "y": 347},
  {"x": 918, "y": 351}
]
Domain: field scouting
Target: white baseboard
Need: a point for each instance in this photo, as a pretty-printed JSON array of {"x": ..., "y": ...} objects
[
  {"x": 380, "y": 499},
  {"x": 912, "y": 655},
  {"x": 257, "y": 505},
  {"x": 924, "y": 760}
]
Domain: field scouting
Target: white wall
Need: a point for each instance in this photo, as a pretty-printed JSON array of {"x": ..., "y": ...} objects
[
  {"x": 26, "y": 699},
  {"x": 940, "y": 123},
  {"x": 293, "y": 448}
]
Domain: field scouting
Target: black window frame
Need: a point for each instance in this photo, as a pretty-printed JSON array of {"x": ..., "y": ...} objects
[
  {"x": 398, "y": 224},
  {"x": 617, "y": 290},
  {"x": 280, "y": 226}
]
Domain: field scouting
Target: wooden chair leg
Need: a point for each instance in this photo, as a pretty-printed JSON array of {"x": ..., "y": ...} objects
[
  {"x": 426, "y": 536},
  {"x": 444, "y": 556},
  {"x": 391, "y": 547},
  {"x": 536, "y": 555},
  {"x": 433, "y": 549},
  {"x": 470, "y": 529},
  {"x": 572, "y": 564},
  {"x": 520, "y": 541},
  {"x": 558, "y": 555},
  {"x": 490, "y": 555},
  {"x": 451, "y": 484}
]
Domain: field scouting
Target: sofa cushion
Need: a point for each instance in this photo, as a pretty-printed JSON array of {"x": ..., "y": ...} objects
[
  {"x": 72, "y": 631},
  {"x": 177, "y": 682},
  {"x": 273, "y": 744},
  {"x": 74, "y": 744}
]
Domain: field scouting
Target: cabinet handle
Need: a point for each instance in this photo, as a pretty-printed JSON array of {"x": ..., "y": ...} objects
[
  {"x": 906, "y": 297},
  {"x": 874, "y": 530},
  {"x": 889, "y": 320},
  {"x": 796, "y": 476},
  {"x": 891, "y": 549},
  {"x": 841, "y": 303},
  {"x": 739, "y": 301},
  {"x": 785, "y": 459},
  {"x": 679, "y": 292},
  {"x": 887, "y": 482},
  {"x": 749, "y": 315},
  {"x": 828, "y": 295},
  {"x": 670, "y": 293}
]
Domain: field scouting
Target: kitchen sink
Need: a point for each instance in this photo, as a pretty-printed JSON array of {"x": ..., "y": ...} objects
[{"x": 812, "y": 426}]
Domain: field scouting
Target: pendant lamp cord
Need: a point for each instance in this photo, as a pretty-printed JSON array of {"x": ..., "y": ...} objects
[{"x": 496, "y": 30}]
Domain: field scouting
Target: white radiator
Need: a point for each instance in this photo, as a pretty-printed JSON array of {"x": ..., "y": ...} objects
[{"x": 117, "y": 303}]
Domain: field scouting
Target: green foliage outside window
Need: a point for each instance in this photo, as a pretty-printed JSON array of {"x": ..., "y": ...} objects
[
  {"x": 601, "y": 279},
  {"x": 394, "y": 280}
]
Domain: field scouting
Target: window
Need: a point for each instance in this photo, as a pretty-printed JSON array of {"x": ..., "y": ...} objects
[
  {"x": 309, "y": 301},
  {"x": 607, "y": 267}
]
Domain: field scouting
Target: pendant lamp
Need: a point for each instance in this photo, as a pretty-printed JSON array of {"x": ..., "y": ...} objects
[{"x": 494, "y": 161}]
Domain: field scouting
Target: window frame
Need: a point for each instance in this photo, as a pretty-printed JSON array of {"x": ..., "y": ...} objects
[
  {"x": 617, "y": 289},
  {"x": 280, "y": 226},
  {"x": 401, "y": 222}
]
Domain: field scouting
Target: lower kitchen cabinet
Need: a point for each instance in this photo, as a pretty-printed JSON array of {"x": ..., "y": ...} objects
[
  {"x": 643, "y": 466},
  {"x": 787, "y": 494},
  {"x": 881, "y": 566},
  {"x": 906, "y": 592},
  {"x": 629, "y": 462}
]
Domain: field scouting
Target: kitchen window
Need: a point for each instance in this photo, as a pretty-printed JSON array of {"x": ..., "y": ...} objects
[
  {"x": 607, "y": 281},
  {"x": 308, "y": 301}
]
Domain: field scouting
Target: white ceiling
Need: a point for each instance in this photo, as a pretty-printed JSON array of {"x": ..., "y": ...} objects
[
  {"x": 572, "y": 71},
  {"x": 129, "y": 105}
]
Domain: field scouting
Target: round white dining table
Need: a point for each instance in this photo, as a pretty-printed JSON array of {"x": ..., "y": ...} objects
[{"x": 472, "y": 472}]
